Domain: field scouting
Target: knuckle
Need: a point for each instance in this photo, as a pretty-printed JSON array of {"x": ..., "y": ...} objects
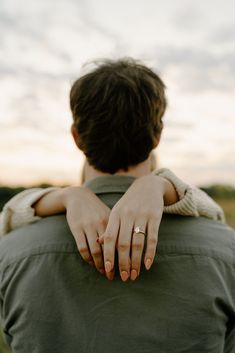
[
  {"x": 96, "y": 253},
  {"x": 103, "y": 221},
  {"x": 149, "y": 255},
  {"x": 137, "y": 246},
  {"x": 129, "y": 213},
  {"x": 135, "y": 266},
  {"x": 86, "y": 225},
  {"x": 152, "y": 241},
  {"x": 108, "y": 237},
  {"x": 123, "y": 246},
  {"x": 126, "y": 212},
  {"x": 144, "y": 214},
  {"x": 155, "y": 216},
  {"x": 77, "y": 227},
  {"x": 83, "y": 251}
]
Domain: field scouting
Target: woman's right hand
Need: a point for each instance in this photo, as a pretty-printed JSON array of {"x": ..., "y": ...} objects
[{"x": 87, "y": 218}]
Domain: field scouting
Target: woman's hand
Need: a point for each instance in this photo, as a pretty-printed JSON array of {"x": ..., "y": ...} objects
[
  {"x": 87, "y": 218},
  {"x": 141, "y": 206}
]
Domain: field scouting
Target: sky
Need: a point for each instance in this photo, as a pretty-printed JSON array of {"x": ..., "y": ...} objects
[{"x": 44, "y": 46}]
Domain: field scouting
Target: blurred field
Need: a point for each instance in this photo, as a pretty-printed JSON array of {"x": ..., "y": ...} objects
[{"x": 229, "y": 209}]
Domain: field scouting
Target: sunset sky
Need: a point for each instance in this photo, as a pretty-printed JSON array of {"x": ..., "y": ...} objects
[{"x": 43, "y": 45}]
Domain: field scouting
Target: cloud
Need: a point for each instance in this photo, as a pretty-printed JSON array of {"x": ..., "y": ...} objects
[
  {"x": 223, "y": 35},
  {"x": 189, "y": 17},
  {"x": 197, "y": 70},
  {"x": 41, "y": 52}
]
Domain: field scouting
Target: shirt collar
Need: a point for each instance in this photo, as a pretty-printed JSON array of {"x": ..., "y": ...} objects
[{"x": 110, "y": 184}]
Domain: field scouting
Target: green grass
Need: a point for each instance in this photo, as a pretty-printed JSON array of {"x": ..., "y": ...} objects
[{"x": 228, "y": 206}]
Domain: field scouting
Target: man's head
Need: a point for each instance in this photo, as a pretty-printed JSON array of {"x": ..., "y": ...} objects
[{"x": 117, "y": 110}]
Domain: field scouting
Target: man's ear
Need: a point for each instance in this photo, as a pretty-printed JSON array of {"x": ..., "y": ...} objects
[
  {"x": 75, "y": 136},
  {"x": 156, "y": 141}
]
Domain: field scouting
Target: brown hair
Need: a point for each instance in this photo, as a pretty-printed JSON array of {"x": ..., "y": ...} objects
[{"x": 117, "y": 110}]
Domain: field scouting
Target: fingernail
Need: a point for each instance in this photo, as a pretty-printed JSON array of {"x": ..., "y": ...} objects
[
  {"x": 102, "y": 270},
  {"x": 124, "y": 276},
  {"x": 108, "y": 266},
  {"x": 97, "y": 240},
  {"x": 110, "y": 276},
  {"x": 148, "y": 264},
  {"x": 134, "y": 275}
]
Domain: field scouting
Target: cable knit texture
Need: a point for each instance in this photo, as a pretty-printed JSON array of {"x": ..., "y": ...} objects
[
  {"x": 192, "y": 202},
  {"x": 19, "y": 211}
]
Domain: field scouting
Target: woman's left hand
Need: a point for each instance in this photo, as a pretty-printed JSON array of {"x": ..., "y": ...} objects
[{"x": 141, "y": 206}]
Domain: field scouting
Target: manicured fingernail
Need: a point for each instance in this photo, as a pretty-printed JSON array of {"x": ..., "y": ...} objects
[
  {"x": 148, "y": 264},
  {"x": 108, "y": 266},
  {"x": 134, "y": 275},
  {"x": 110, "y": 276},
  {"x": 102, "y": 270},
  {"x": 124, "y": 276}
]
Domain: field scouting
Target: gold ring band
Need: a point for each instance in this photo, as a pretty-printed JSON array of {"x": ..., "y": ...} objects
[{"x": 137, "y": 230}]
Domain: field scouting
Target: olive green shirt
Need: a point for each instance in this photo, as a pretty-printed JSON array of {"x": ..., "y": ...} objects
[{"x": 51, "y": 301}]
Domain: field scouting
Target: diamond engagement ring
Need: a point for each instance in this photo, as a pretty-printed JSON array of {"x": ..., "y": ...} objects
[{"x": 137, "y": 230}]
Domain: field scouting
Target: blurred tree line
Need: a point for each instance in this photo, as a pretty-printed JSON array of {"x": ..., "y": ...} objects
[
  {"x": 215, "y": 191},
  {"x": 220, "y": 191},
  {"x": 6, "y": 193}
]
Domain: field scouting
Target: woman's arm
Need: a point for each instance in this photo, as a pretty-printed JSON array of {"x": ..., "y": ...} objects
[
  {"x": 31, "y": 205},
  {"x": 18, "y": 211},
  {"x": 142, "y": 206},
  {"x": 192, "y": 201}
]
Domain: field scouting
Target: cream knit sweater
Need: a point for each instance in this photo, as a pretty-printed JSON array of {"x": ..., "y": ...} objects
[{"x": 192, "y": 202}]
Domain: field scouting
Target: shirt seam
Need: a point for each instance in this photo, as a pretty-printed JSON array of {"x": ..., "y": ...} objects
[{"x": 74, "y": 251}]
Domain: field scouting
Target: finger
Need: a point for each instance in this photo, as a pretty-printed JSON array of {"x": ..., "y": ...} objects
[
  {"x": 124, "y": 244},
  {"x": 137, "y": 247},
  {"x": 152, "y": 239},
  {"x": 95, "y": 248},
  {"x": 110, "y": 275},
  {"x": 101, "y": 239},
  {"x": 110, "y": 239},
  {"x": 102, "y": 248},
  {"x": 101, "y": 230},
  {"x": 82, "y": 246}
]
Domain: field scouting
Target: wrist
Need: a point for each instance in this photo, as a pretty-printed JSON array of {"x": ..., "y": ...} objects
[
  {"x": 170, "y": 194},
  {"x": 71, "y": 193},
  {"x": 50, "y": 203},
  {"x": 65, "y": 196}
]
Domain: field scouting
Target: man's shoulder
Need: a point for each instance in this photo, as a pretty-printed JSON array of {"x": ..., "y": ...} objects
[
  {"x": 50, "y": 234},
  {"x": 177, "y": 235},
  {"x": 197, "y": 236}
]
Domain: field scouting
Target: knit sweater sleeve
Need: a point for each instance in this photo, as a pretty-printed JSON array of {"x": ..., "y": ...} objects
[
  {"x": 192, "y": 201},
  {"x": 18, "y": 211}
]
